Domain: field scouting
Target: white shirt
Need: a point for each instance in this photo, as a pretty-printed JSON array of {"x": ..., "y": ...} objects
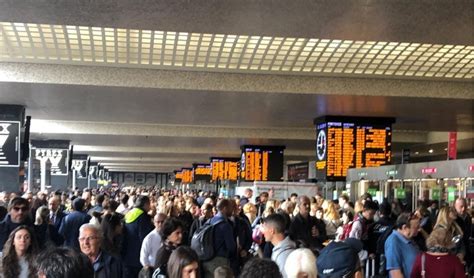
[{"x": 150, "y": 246}]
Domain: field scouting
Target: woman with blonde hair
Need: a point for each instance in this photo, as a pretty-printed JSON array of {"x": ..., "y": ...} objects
[
  {"x": 301, "y": 263},
  {"x": 250, "y": 210},
  {"x": 447, "y": 220},
  {"x": 332, "y": 220}
]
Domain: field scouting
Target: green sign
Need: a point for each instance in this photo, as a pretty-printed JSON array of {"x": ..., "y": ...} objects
[
  {"x": 372, "y": 191},
  {"x": 451, "y": 194},
  {"x": 436, "y": 194},
  {"x": 400, "y": 193}
]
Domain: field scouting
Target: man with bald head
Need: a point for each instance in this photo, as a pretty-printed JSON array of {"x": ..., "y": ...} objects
[
  {"x": 464, "y": 221},
  {"x": 90, "y": 241},
  {"x": 152, "y": 242}
]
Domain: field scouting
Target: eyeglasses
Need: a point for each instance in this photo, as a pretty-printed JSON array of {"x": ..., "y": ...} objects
[
  {"x": 20, "y": 208},
  {"x": 89, "y": 238}
]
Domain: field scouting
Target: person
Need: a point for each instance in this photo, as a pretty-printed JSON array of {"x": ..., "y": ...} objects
[
  {"x": 261, "y": 205},
  {"x": 45, "y": 232},
  {"x": 104, "y": 265},
  {"x": 438, "y": 262},
  {"x": 19, "y": 253},
  {"x": 248, "y": 193},
  {"x": 138, "y": 225},
  {"x": 56, "y": 215},
  {"x": 224, "y": 238},
  {"x": 71, "y": 223},
  {"x": 112, "y": 228},
  {"x": 63, "y": 262},
  {"x": 99, "y": 205},
  {"x": 400, "y": 250},
  {"x": 171, "y": 235},
  {"x": 340, "y": 259},
  {"x": 343, "y": 203},
  {"x": 274, "y": 232},
  {"x": 206, "y": 214},
  {"x": 152, "y": 242},
  {"x": 347, "y": 220},
  {"x": 123, "y": 207},
  {"x": 463, "y": 220},
  {"x": 261, "y": 268},
  {"x": 360, "y": 227},
  {"x": 301, "y": 263},
  {"x": 447, "y": 220},
  {"x": 332, "y": 220},
  {"x": 183, "y": 263},
  {"x": 304, "y": 227},
  {"x": 250, "y": 211},
  {"x": 17, "y": 215},
  {"x": 223, "y": 272}
]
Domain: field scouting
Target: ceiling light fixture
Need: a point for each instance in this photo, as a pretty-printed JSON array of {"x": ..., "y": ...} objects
[{"x": 430, "y": 151}]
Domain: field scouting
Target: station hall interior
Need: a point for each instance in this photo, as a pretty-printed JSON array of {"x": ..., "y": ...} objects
[{"x": 143, "y": 86}]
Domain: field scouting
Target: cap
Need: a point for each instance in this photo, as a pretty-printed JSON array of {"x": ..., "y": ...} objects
[{"x": 339, "y": 259}]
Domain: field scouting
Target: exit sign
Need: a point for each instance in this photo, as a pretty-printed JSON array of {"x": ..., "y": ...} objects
[{"x": 428, "y": 171}]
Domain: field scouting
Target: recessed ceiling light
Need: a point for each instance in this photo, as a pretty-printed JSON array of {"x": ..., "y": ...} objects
[{"x": 430, "y": 151}]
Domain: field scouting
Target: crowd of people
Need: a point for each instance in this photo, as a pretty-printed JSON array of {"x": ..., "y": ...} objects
[{"x": 169, "y": 233}]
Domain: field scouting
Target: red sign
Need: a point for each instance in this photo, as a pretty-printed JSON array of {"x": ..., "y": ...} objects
[
  {"x": 471, "y": 168},
  {"x": 428, "y": 171},
  {"x": 452, "y": 145}
]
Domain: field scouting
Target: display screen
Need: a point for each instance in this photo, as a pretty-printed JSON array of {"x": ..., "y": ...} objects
[
  {"x": 262, "y": 163},
  {"x": 343, "y": 143},
  {"x": 202, "y": 172},
  {"x": 187, "y": 175},
  {"x": 297, "y": 172},
  {"x": 178, "y": 176},
  {"x": 225, "y": 168}
]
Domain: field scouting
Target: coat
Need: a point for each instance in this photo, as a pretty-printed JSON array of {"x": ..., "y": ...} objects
[
  {"x": 137, "y": 226},
  {"x": 70, "y": 225}
]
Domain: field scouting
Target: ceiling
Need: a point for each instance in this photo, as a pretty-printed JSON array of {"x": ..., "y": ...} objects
[{"x": 158, "y": 86}]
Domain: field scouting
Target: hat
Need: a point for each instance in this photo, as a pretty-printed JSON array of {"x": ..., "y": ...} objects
[{"x": 339, "y": 259}]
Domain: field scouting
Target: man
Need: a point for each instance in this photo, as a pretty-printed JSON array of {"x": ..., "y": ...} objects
[
  {"x": 104, "y": 265},
  {"x": 152, "y": 242},
  {"x": 71, "y": 223},
  {"x": 360, "y": 227},
  {"x": 343, "y": 203},
  {"x": 99, "y": 204},
  {"x": 137, "y": 226},
  {"x": 63, "y": 262},
  {"x": 248, "y": 193},
  {"x": 263, "y": 198},
  {"x": 206, "y": 214},
  {"x": 463, "y": 219},
  {"x": 55, "y": 213},
  {"x": 400, "y": 250},
  {"x": 304, "y": 227},
  {"x": 224, "y": 238},
  {"x": 274, "y": 232},
  {"x": 340, "y": 259},
  {"x": 18, "y": 214}
]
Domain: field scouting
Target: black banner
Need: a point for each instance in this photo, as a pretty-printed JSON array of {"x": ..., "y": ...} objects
[
  {"x": 80, "y": 165},
  {"x": 9, "y": 144}
]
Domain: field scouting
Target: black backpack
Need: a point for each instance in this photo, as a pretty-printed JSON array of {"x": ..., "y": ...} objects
[
  {"x": 202, "y": 241},
  {"x": 380, "y": 252}
]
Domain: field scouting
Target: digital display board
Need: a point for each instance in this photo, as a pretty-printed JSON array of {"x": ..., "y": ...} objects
[
  {"x": 202, "y": 172},
  {"x": 299, "y": 171},
  {"x": 262, "y": 163},
  {"x": 187, "y": 175},
  {"x": 351, "y": 142},
  {"x": 225, "y": 168},
  {"x": 178, "y": 176}
]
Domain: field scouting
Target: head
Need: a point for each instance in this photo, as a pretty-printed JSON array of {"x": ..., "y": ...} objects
[
  {"x": 53, "y": 203},
  {"x": 248, "y": 193},
  {"x": 319, "y": 213},
  {"x": 343, "y": 200},
  {"x": 223, "y": 272},
  {"x": 79, "y": 204},
  {"x": 293, "y": 197},
  {"x": 331, "y": 211},
  {"x": 172, "y": 231},
  {"x": 304, "y": 205},
  {"x": 439, "y": 239},
  {"x": 225, "y": 207},
  {"x": 63, "y": 262},
  {"x": 460, "y": 205},
  {"x": 385, "y": 209},
  {"x": 301, "y": 263},
  {"x": 21, "y": 241},
  {"x": 158, "y": 220},
  {"x": 143, "y": 203},
  {"x": 274, "y": 228},
  {"x": 111, "y": 226},
  {"x": 446, "y": 216},
  {"x": 42, "y": 214},
  {"x": 183, "y": 263},
  {"x": 206, "y": 211},
  {"x": 408, "y": 224},
  {"x": 347, "y": 216},
  {"x": 90, "y": 240},
  {"x": 370, "y": 208},
  {"x": 18, "y": 209},
  {"x": 262, "y": 268},
  {"x": 263, "y": 197}
]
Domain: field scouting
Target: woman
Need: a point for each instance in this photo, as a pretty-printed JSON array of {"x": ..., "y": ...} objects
[
  {"x": 19, "y": 254},
  {"x": 45, "y": 232},
  {"x": 438, "y": 262},
  {"x": 250, "y": 210},
  {"x": 347, "y": 220},
  {"x": 447, "y": 220},
  {"x": 301, "y": 263},
  {"x": 332, "y": 220},
  {"x": 183, "y": 263},
  {"x": 111, "y": 227},
  {"x": 172, "y": 234}
]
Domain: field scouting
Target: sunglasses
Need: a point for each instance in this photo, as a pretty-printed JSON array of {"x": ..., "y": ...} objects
[{"x": 20, "y": 208}]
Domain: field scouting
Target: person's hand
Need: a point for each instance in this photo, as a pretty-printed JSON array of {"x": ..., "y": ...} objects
[{"x": 314, "y": 231}]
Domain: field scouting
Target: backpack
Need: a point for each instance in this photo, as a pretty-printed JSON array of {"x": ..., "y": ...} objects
[
  {"x": 202, "y": 241},
  {"x": 380, "y": 250}
]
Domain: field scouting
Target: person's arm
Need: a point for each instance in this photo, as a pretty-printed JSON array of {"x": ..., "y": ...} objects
[
  {"x": 396, "y": 273},
  {"x": 144, "y": 251}
]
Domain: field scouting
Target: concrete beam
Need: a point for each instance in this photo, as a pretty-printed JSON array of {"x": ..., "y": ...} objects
[{"x": 231, "y": 82}]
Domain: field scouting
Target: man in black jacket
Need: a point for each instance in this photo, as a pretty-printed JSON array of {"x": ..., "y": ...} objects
[
  {"x": 304, "y": 227},
  {"x": 105, "y": 265},
  {"x": 18, "y": 214},
  {"x": 464, "y": 221}
]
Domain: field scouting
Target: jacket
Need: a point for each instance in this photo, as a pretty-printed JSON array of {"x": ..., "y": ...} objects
[
  {"x": 137, "y": 226},
  {"x": 107, "y": 266},
  {"x": 70, "y": 225},
  {"x": 224, "y": 240},
  {"x": 281, "y": 252},
  {"x": 300, "y": 229}
]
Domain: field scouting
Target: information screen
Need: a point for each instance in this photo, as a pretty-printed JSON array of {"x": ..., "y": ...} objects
[
  {"x": 262, "y": 163},
  {"x": 202, "y": 172},
  {"x": 351, "y": 142},
  {"x": 178, "y": 176},
  {"x": 187, "y": 175},
  {"x": 225, "y": 168}
]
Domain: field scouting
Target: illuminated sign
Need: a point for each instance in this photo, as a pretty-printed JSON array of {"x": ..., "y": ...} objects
[
  {"x": 178, "y": 176},
  {"x": 471, "y": 168},
  {"x": 224, "y": 168},
  {"x": 428, "y": 171},
  {"x": 351, "y": 142},
  {"x": 262, "y": 163},
  {"x": 202, "y": 172},
  {"x": 187, "y": 175}
]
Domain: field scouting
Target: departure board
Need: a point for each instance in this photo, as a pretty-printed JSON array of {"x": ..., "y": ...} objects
[
  {"x": 225, "y": 168},
  {"x": 351, "y": 142},
  {"x": 202, "y": 172},
  {"x": 178, "y": 176},
  {"x": 187, "y": 175},
  {"x": 262, "y": 163}
]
